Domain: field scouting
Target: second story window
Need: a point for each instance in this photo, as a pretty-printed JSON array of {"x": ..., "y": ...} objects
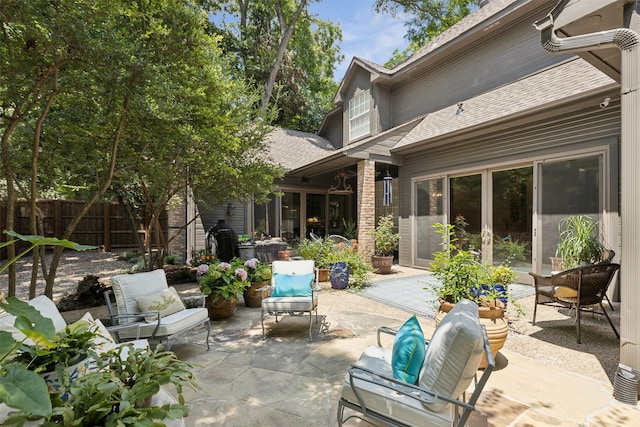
[{"x": 359, "y": 115}]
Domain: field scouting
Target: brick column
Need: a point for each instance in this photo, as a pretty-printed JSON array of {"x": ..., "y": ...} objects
[{"x": 366, "y": 205}]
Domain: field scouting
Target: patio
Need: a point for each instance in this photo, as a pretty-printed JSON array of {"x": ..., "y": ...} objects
[{"x": 543, "y": 377}]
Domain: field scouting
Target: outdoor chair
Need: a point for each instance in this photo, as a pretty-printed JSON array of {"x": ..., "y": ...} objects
[
  {"x": 47, "y": 308},
  {"x": 421, "y": 382},
  {"x": 146, "y": 307},
  {"x": 577, "y": 288},
  {"x": 337, "y": 239},
  {"x": 292, "y": 291}
]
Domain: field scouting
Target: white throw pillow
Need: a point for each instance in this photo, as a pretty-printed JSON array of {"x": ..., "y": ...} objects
[
  {"x": 103, "y": 341},
  {"x": 166, "y": 302}
]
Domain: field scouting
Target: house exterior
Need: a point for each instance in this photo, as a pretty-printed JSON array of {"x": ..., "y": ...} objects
[
  {"x": 481, "y": 125},
  {"x": 496, "y": 125}
]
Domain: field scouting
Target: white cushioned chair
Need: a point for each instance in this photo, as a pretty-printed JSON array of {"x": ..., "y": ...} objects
[
  {"x": 48, "y": 309},
  {"x": 162, "y": 320},
  {"x": 450, "y": 364},
  {"x": 289, "y": 295}
]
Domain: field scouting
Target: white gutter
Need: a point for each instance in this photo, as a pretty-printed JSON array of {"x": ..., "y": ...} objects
[{"x": 628, "y": 41}]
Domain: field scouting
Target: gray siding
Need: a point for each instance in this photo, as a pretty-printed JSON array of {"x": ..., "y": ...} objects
[
  {"x": 582, "y": 129},
  {"x": 237, "y": 221},
  {"x": 494, "y": 62},
  {"x": 382, "y": 103},
  {"x": 334, "y": 131}
]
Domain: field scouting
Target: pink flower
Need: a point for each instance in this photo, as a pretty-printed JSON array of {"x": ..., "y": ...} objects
[
  {"x": 202, "y": 269},
  {"x": 224, "y": 266},
  {"x": 241, "y": 273},
  {"x": 252, "y": 263}
]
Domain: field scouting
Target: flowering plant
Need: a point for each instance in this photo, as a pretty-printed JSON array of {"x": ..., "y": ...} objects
[
  {"x": 225, "y": 280},
  {"x": 202, "y": 257},
  {"x": 258, "y": 272}
]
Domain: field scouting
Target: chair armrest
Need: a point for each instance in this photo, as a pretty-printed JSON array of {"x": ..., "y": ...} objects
[
  {"x": 391, "y": 331},
  {"x": 385, "y": 330},
  {"x": 124, "y": 326},
  {"x": 198, "y": 299},
  {"x": 265, "y": 291}
]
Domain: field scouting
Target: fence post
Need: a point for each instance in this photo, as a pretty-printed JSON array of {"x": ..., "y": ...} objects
[
  {"x": 107, "y": 226},
  {"x": 57, "y": 219}
]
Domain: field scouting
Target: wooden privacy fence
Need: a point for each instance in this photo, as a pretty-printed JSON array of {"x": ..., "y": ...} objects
[{"x": 103, "y": 226}]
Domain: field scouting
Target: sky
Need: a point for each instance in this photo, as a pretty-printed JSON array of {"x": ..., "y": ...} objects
[{"x": 364, "y": 33}]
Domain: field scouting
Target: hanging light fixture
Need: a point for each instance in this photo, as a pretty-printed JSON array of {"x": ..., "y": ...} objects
[
  {"x": 341, "y": 187},
  {"x": 387, "y": 190}
]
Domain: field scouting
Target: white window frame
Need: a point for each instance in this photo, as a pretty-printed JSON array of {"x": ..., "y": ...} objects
[{"x": 359, "y": 117}]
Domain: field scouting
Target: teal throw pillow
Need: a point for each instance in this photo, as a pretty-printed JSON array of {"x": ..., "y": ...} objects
[
  {"x": 408, "y": 351},
  {"x": 292, "y": 285}
]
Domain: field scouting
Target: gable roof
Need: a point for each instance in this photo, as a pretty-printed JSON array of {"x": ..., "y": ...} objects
[
  {"x": 490, "y": 14},
  {"x": 572, "y": 79},
  {"x": 292, "y": 149}
]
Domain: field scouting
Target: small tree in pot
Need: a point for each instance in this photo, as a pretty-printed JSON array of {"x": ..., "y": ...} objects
[{"x": 386, "y": 241}]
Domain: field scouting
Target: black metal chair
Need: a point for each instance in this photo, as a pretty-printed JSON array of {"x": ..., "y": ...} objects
[{"x": 577, "y": 288}]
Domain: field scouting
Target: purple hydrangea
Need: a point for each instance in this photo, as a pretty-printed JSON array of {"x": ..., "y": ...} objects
[
  {"x": 224, "y": 266},
  {"x": 241, "y": 273},
  {"x": 252, "y": 263},
  {"x": 202, "y": 269}
]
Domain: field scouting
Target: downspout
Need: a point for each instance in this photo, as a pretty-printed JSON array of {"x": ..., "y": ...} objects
[{"x": 628, "y": 41}]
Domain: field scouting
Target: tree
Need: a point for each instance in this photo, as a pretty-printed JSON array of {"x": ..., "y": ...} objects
[
  {"x": 428, "y": 18},
  {"x": 109, "y": 91},
  {"x": 286, "y": 51}
]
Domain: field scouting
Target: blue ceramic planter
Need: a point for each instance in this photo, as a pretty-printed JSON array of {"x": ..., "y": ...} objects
[{"x": 339, "y": 275}]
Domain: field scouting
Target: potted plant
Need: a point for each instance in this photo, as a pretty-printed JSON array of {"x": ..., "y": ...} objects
[
  {"x": 318, "y": 251},
  {"x": 349, "y": 229},
  {"x": 259, "y": 276},
  {"x": 463, "y": 276},
  {"x": 348, "y": 267},
  {"x": 386, "y": 241},
  {"x": 580, "y": 241},
  {"x": 222, "y": 284}
]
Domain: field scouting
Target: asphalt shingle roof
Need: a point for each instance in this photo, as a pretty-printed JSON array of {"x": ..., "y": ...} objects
[
  {"x": 292, "y": 149},
  {"x": 547, "y": 87}
]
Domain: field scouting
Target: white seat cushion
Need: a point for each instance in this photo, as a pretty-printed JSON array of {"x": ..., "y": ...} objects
[
  {"x": 169, "y": 325},
  {"x": 387, "y": 402},
  {"x": 274, "y": 304}
]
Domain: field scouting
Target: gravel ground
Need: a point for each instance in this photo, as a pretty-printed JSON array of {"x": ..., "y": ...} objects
[
  {"x": 73, "y": 267},
  {"x": 551, "y": 341}
]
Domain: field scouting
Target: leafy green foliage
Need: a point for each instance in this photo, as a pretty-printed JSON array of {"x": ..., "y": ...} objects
[
  {"x": 225, "y": 280},
  {"x": 317, "y": 250},
  {"x": 360, "y": 269},
  {"x": 386, "y": 241},
  {"x": 427, "y": 19},
  {"x": 253, "y": 33},
  {"x": 580, "y": 241}
]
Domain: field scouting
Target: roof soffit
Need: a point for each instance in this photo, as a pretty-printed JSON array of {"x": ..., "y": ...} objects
[{"x": 578, "y": 17}]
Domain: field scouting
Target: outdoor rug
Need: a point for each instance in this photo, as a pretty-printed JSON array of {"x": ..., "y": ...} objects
[{"x": 415, "y": 294}]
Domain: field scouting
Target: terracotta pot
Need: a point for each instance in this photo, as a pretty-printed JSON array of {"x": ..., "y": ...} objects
[
  {"x": 253, "y": 298},
  {"x": 221, "y": 309},
  {"x": 284, "y": 255},
  {"x": 493, "y": 319},
  {"x": 382, "y": 264},
  {"x": 323, "y": 274}
]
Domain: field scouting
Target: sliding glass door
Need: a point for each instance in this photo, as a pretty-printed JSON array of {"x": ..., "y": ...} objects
[
  {"x": 490, "y": 209},
  {"x": 566, "y": 187}
]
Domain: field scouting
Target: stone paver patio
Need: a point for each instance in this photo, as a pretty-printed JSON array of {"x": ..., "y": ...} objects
[{"x": 285, "y": 380}]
